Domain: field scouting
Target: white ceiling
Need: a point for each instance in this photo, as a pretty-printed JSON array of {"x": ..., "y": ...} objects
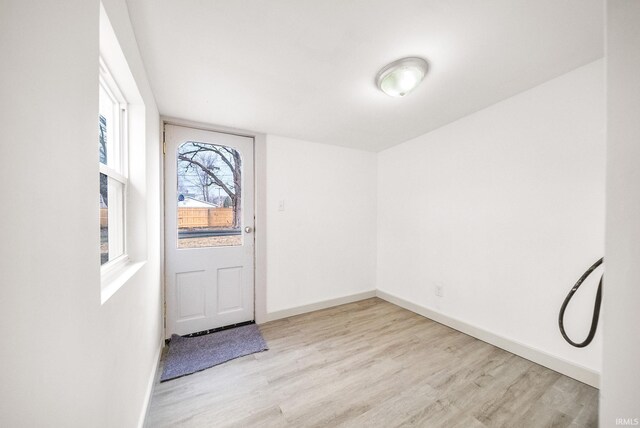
[{"x": 306, "y": 69}]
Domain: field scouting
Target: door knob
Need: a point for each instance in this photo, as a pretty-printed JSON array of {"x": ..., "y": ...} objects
[{"x": 248, "y": 229}]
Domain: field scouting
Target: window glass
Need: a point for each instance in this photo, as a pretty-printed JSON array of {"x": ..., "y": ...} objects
[
  {"x": 116, "y": 218},
  {"x": 104, "y": 219},
  {"x": 108, "y": 127},
  {"x": 209, "y": 204}
]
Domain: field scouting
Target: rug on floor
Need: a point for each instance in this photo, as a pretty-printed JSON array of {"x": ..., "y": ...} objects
[{"x": 188, "y": 355}]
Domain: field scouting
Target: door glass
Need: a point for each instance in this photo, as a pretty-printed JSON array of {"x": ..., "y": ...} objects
[{"x": 209, "y": 198}]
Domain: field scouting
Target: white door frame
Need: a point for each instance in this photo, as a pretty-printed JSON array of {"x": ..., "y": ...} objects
[{"x": 260, "y": 172}]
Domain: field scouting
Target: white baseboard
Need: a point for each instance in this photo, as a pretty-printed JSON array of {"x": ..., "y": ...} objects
[
  {"x": 560, "y": 365},
  {"x": 285, "y": 313},
  {"x": 152, "y": 378}
]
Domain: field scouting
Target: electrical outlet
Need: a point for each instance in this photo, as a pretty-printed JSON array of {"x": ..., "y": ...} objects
[
  {"x": 281, "y": 205},
  {"x": 439, "y": 291}
]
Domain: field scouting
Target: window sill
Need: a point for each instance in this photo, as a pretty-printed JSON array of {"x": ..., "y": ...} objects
[{"x": 118, "y": 278}]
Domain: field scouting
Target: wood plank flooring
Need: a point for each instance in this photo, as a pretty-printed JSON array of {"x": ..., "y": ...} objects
[{"x": 373, "y": 364}]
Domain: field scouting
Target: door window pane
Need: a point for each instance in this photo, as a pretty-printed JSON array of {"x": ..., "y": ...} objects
[{"x": 209, "y": 204}]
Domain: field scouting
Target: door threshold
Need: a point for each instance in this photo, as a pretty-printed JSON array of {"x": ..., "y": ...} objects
[{"x": 214, "y": 330}]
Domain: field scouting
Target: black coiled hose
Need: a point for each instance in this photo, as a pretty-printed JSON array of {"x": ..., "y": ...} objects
[{"x": 596, "y": 308}]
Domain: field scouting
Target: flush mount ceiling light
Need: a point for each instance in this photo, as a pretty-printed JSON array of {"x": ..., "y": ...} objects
[{"x": 402, "y": 76}]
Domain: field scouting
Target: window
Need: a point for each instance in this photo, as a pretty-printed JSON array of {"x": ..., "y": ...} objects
[
  {"x": 112, "y": 149},
  {"x": 122, "y": 159},
  {"x": 209, "y": 195}
]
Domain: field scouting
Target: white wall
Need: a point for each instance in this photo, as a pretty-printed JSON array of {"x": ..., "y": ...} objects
[
  {"x": 620, "y": 392},
  {"x": 68, "y": 360},
  {"x": 323, "y": 245},
  {"x": 505, "y": 210}
]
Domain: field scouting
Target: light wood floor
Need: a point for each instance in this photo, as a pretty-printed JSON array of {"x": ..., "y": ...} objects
[{"x": 373, "y": 364}]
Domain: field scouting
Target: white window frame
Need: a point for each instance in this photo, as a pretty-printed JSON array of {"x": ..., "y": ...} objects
[{"x": 118, "y": 171}]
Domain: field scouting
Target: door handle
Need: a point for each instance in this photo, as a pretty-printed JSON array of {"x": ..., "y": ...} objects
[{"x": 248, "y": 229}]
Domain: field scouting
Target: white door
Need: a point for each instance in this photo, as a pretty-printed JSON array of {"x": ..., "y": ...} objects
[{"x": 209, "y": 244}]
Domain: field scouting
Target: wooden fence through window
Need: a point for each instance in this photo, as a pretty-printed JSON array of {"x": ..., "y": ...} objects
[{"x": 205, "y": 217}]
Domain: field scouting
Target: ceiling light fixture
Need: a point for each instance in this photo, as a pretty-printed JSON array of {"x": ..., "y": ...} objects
[{"x": 402, "y": 76}]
